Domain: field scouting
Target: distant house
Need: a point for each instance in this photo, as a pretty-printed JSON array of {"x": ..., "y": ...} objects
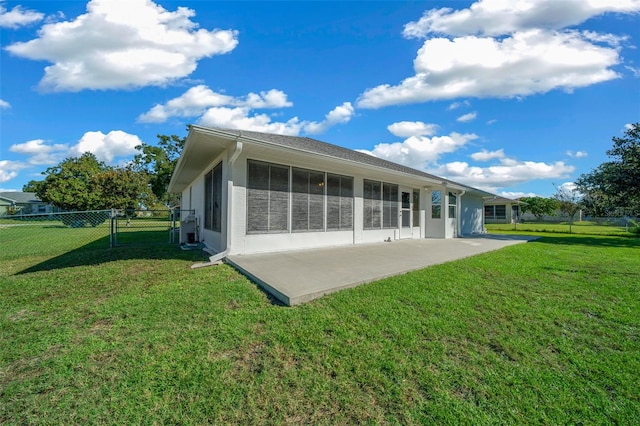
[
  {"x": 501, "y": 210},
  {"x": 258, "y": 192},
  {"x": 20, "y": 203}
]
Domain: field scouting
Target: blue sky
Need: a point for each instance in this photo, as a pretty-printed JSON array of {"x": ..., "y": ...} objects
[{"x": 509, "y": 96}]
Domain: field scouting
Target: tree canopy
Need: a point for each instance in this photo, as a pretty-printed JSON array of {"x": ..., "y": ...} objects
[
  {"x": 539, "y": 206},
  {"x": 614, "y": 186},
  {"x": 159, "y": 162},
  {"x": 84, "y": 183}
]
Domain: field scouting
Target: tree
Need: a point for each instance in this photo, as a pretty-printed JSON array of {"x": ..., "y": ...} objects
[
  {"x": 31, "y": 186},
  {"x": 123, "y": 189},
  {"x": 159, "y": 162},
  {"x": 539, "y": 206},
  {"x": 84, "y": 183},
  {"x": 568, "y": 199},
  {"x": 70, "y": 185},
  {"x": 614, "y": 185}
]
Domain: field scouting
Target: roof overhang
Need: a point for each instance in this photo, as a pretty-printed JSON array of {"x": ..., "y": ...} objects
[
  {"x": 200, "y": 148},
  {"x": 204, "y": 144}
]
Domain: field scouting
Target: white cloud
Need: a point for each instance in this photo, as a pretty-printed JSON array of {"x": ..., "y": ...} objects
[
  {"x": 111, "y": 147},
  {"x": 525, "y": 63},
  {"x": 418, "y": 151},
  {"x": 467, "y": 117},
  {"x": 18, "y": 16},
  {"x": 107, "y": 147},
  {"x": 192, "y": 103},
  {"x": 490, "y": 122},
  {"x": 577, "y": 154},
  {"x": 508, "y": 172},
  {"x": 271, "y": 99},
  {"x": 516, "y": 194},
  {"x": 485, "y": 155},
  {"x": 404, "y": 129},
  {"x": 567, "y": 187},
  {"x": 120, "y": 44},
  {"x": 195, "y": 101},
  {"x": 218, "y": 110},
  {"x": 628, "y": 126},
  {"x": 339, "y": 115},
  {"x": 497, "y": 17},
  {"x": 635, "y": 71},
  {"x": 9, "y": 169},
  {"x": 242, "y": 118},
  {"x": 40, "y": 153},
  {"x": 4, "y": 104},
  {"x": 457, "y": 105}
]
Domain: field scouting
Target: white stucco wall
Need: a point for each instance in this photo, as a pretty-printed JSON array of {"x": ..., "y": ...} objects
[
  {"x": 234, "y": 235},
  {"x": 472, "y": 215}
]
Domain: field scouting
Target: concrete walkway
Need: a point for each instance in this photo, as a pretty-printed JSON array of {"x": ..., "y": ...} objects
[{"x": 296, "y": 277}]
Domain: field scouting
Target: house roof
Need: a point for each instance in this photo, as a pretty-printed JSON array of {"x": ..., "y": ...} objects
[
  {"x": 316, "y": 147},
  {"x": 20, "y": 197},
  {"x": 502, "y": 200}
]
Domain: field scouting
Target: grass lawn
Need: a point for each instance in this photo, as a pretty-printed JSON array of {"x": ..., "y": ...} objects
[
  {"x": 546, "y": 332},
  {"x": 582, "y": 227}
]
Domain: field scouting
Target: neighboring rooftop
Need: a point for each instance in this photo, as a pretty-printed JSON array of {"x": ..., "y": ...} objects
[{"x": 20, "y": 197}]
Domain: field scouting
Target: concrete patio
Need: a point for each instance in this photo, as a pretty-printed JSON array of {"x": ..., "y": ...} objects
[{"x": 295, "y": 277}]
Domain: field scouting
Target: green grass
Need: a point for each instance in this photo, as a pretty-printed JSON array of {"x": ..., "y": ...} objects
[
  {"x": 583, "y": 227},
  {"x": 546, "y": 332}
]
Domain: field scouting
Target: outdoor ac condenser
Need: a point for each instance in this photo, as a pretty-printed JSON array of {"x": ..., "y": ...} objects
[{"x": 189, "y": 230}]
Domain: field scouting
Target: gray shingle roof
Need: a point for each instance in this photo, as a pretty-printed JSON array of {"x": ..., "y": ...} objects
[
  {"x": 20, "y": 197},
  {"x": 319, "y": 147}
]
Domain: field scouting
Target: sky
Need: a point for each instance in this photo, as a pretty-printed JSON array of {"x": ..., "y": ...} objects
[{"x": 515, "y": 97}]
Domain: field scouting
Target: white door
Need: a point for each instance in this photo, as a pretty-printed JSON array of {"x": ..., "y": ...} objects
[{"x": 406, "y": 227}]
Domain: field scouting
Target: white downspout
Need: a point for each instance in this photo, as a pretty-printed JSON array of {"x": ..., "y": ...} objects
[
  {"x": 216, "y": 259},
  {"x": 459, "y": 218}
]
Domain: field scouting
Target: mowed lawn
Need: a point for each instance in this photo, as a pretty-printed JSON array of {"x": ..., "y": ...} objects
[
  {"x": 578, "y": 227},
  {"x": 546, "y": 332}
]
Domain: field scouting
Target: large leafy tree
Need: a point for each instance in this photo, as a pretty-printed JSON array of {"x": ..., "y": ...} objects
[
  {"x": 539, "y": 206},
  {"x": 614, "y": 186},
  {"x": 84, "y": 183},
  {"x": 70, "y": 185},
  {"x": 158, "y": 162}
]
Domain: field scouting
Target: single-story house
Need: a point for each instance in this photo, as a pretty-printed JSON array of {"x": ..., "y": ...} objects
[
  {"x": 256, "y": 192},
  {"x": 501, "y": 210},
  {"x": 17, "y": 203}
]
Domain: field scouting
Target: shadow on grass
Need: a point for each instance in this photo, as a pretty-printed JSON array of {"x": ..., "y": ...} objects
[
  {"x": 589, "y": 240},
  {"x": 98, "y": 252}
]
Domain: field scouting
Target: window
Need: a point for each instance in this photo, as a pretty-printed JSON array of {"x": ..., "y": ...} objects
[
  {"x": 213, "y": 199},
  {"x": 380, "y": 205},
  {"x": 267, "y": 197},
  {"x": 389, "y": 206},
  {"x": 489, "y": 212},
  {"x": 452, "y": 205},
  {"x": 436, "y": 204},
  {"x": 372, "y": 204},
  {"x": 307, "y": 200},
  {"x": 339, "y": 202},
  {"x": 495, "y": 212},
  {"x": 416, "y": 207}
]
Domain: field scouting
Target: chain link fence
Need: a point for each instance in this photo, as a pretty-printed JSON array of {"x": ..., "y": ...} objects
[
  {"x": 624, "y": 226},
  {"x": 56, "y": 233}
]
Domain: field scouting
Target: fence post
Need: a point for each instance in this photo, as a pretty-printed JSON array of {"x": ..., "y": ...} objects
[{"x": 111, "y": 233}]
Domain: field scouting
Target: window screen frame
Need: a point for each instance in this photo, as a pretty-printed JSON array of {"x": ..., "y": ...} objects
[
  {"x": 274, "y": 198},
  {"x": 213, "y": 199}
]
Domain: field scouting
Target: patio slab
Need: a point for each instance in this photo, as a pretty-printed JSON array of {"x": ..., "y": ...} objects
[{"x": 295, "y": 277}]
